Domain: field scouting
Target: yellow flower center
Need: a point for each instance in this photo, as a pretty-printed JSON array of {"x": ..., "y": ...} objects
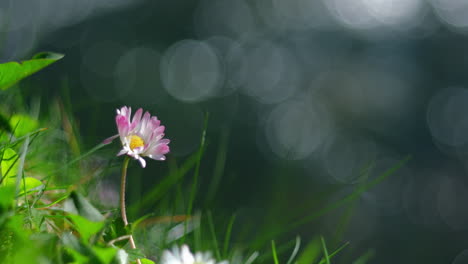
[{"x": 136, "y": 142}]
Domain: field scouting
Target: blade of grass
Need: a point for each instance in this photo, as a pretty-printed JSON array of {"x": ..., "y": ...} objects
[
  {"x": 325, "y": 251},
  {"x": 347, "y": 215},
  {"x": 158, "y": 191},
  {"x": 213, "y": 234},
  {"x": 322, "y": 261},
  {"x": 295, "y": 251},
  {"x": 273, "y": 252},
  {"x": 219, "y": 165},
  {"x": 197, "y": 168},
  {"x": 365, "y": 258},
  {"x": 351, "y": 197},
  {"x": 12, "y": 143},
  {"x": 228, "y": 235}
]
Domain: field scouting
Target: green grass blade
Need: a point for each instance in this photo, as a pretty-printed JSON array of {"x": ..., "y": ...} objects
[
  {"x": 335, "y": 205},
  {"x": 213, "y": 234},
  {"x": 322, "y": 261},
  {"x": 197, "y": 168},
  {"x": 325, "y": 251},
  {"x": 295, "y": 251},
  {"x": 273, "y": 252},
  {"x": 228, "y": 234}
]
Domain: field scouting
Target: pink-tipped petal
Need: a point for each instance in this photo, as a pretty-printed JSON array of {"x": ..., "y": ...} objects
[
  {"x": 164, "y": 141},
  {"x": 136, "y": 119},
  {"x": 160, "y": 130},
  {"x": 144, "y": 122},
  {"x": 122, "y": 124},
  {"x": 110, "y": 139},
  {"x": 160, "y": 149}
]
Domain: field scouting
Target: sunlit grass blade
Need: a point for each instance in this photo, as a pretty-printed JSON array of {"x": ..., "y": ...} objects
[
  {"x": 295, "y": 251},
  {"x": 325, "y": 251},
  {"x": 13, "y": 142},
  {"x": 273, "y": 252},
  {"x": 334, "y": 253}
]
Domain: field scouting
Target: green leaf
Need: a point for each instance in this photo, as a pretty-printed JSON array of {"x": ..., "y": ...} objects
[
  {"x": 105, "y": 255},
  {"x": 26, "y": 185},
  {"x": 13, "y": 72},
  {"x": 23, "y": 124},
  {"x": 7, "y": 197},
  {"x": 146, "y": 261},
  {"x": 85, "y": 227},
  {"x": 9, "y": 163}
]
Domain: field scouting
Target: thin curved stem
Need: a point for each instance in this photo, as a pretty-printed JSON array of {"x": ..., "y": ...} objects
[{"x": 122, "y": 202}]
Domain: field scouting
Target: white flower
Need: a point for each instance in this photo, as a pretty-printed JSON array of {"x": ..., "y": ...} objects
[{"x": 183, "y": 255}]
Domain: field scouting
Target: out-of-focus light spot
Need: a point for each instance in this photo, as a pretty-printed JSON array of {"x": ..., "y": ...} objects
[
  {"x": 97, "y": 71},
  {"x": 461, "y": 258},
  {"x": 452, "y": 12},
  {"x": 347, "y": 158},
  {"x": 191, "y": 71},
  {"x": 367, "y": 92},
  {"x": 295, "y": 129},
  {"x": 293, "y": 14},
  {"x": 387, "y": 195},
  {"x": 369, "y": 14},
  {"x": 223, "y": 17},
  {"x": 185, "y": 128},
  {"x": 223, "y": 46},
  {"x": 71, "y": 12},
  {"x": 395, "y": 12},
  {"x": 16, "y": 14},
  {"x": 447, "y": 118},
  {"x": 18, "y": 43},
  {"x": 451, "y": 202},
  {"x": 137, "y": 76},
  {"x": 352, "y": 13},
  {"x": 265, "y": 71},
  {"x": 419, "y": 199}
]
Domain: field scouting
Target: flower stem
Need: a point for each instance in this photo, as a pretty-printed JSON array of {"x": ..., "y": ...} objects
[{"x": 122, "y": 202}]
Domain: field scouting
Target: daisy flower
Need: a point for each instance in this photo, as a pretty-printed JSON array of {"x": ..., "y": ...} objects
[
  {"x": 142, "y": 136},
  {"x": 183, "y": 255}
]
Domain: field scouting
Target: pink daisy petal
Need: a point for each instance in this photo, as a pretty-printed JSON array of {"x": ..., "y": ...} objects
[
  {"x": 136, "y": 119},
  {"x": 141, "y": 136},
  {"x": 110, "y": 139}
]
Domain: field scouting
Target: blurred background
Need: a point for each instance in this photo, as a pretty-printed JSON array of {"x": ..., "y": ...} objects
[{"x": 301, "y": 96}]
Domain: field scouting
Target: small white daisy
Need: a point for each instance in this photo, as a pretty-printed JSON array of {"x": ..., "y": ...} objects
[{"x": 183, "y": 255}]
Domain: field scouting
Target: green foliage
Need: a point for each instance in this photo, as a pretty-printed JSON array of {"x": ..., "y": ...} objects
[
  {"x": 42, "y": 218},
  {"x": 13, "y": 72}
]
